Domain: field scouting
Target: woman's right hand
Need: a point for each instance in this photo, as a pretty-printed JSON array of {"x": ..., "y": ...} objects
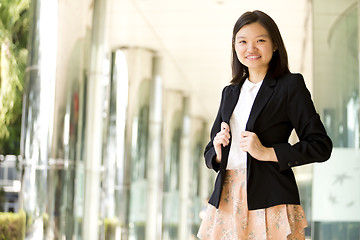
[{"x": 221, "y": 138}]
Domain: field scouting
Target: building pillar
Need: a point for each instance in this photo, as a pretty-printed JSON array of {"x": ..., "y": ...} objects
[
  {"x": 154, "y": 191},
  {"x": 94, "y": 121},
  {"x": 184, "y": 222},
  {"x": 38, "y": 114},
  {"x": 53, "y": 121}
]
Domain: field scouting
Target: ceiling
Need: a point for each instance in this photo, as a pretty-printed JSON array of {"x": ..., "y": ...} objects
[{"x": 194, "y": 39}]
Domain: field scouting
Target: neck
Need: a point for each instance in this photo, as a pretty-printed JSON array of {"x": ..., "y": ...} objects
[{"x": 256, "y": 76}]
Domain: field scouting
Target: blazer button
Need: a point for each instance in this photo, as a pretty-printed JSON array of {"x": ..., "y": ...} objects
[{"x": 296, "y": 163}]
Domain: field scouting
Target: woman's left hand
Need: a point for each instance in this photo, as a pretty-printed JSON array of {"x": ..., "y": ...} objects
[{"x": 250, "y": 143}]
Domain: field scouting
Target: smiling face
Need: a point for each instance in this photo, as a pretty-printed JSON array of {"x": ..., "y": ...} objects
[{"x": 254, "y": 47}]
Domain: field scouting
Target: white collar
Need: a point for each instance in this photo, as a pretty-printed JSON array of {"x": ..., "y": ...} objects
[{"x": 247, "y": 86}]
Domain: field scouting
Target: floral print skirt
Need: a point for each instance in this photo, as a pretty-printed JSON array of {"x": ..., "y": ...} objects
[{"x": 232, "y": 220}]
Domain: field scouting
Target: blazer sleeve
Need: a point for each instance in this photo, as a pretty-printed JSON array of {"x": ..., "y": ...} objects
[
  {"x": 314, "y": 144},
  {"x": 209, "y": 153}
]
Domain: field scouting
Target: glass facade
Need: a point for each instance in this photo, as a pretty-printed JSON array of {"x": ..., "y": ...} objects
[
  {"x": 171, "y": 183},
  {"x": 112, "y": 151},
  {"x": 335, "y": 191},
  {"x": 140, "y": 61},
  {"x": 152, "y": 148},
  {"x": 114, "y": 191},
  {"x": 52, "y": 163}
]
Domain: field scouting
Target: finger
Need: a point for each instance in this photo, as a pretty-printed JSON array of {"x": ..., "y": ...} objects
[
  {"x": 221, "y": 140},
  {"x": 225, "y": 126},
  {"x": 244, "y": 139},
  {"x": 224, "y": 142},
  {"x": 245, "y": 133},
  {"x": 224, "y": 134},
  {"x": 244, "y": 148},
  {"x": 243, "y": 144},
  {"x": 219, "y": 135}
]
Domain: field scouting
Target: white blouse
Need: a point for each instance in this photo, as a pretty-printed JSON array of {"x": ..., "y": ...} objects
[{"x": 237, "y": 158}]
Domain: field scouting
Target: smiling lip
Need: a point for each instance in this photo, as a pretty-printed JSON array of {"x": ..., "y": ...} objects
[{"x": 251, "y": 57}]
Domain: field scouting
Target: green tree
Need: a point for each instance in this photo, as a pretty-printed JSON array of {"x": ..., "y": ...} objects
[{"x": 14, "y": 25}]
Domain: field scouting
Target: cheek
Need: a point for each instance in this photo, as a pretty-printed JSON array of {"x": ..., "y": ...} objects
[
  {"x": 239, "y": 53},
  {"x": 269, "y": 51},
  {"x": 240, "y": 57}
]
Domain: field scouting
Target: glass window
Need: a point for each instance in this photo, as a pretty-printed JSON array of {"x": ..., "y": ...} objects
[
  {"x": 171, "y": 195},
  {"x": 2, "y": 173},
  {"x": 335, "y": 202},
  {"x": 12, "y": 174},
  {"x": 139, "y": 158}
]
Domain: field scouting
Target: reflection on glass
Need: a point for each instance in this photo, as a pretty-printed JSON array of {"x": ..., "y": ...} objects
[
  {"x": 114, "y": 192},
  {"x": 173, "y": 128},
  {"x": 50, "y": 126},
  {"x": 336, "y": 92},
  {"x": 352, "y": 123},
  {"x": 197, "y": 149},
  {"x": 172, "y": 163},
  {"x": 135, "y": 176},
  {"x": 38, "y": 115},
  {"x": 341, "y": 112},
  {"x": 141, "y": 131},
  {"x": 139, "y": 159}
]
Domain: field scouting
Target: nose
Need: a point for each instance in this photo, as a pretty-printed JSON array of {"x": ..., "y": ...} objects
[{"x": 251, "y": 47}]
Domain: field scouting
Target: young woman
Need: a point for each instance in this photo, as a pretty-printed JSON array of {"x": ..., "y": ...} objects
[{"x": 255, "y": 194}]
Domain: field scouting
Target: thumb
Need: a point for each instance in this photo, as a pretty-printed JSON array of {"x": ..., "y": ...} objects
[{"x": 225, "y": 126}]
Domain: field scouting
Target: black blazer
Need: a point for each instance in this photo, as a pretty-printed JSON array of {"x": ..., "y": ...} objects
[{"x": 280, "y": 106}]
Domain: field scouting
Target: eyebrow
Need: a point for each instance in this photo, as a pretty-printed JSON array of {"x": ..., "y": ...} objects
[{"x": 262, "y": 35}]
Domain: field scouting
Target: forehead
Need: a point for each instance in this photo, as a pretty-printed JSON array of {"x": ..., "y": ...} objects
[{"x": 252, "y": 30}]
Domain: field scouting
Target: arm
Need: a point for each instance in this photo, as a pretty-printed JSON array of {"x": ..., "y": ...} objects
[{"x": 314, "y": 144}]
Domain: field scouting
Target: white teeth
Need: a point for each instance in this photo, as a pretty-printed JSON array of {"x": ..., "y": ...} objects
[{"x": 253, "y": 57}]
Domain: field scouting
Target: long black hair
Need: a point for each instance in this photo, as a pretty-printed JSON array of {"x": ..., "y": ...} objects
[{"x": 278, "y": 65}]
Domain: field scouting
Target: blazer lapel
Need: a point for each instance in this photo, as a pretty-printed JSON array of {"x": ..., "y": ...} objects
[
  {"x": 230, "y": 102},
  {"x": 265, "y": 92}
]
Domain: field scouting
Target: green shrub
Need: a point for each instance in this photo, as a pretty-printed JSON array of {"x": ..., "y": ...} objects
[
  {"x": 12, "y": 225},
  {"x": 2, "y": 199},
  {"x": 45, "y": 218},
  {"x": 14, "y": 27},
  {"x": 110, "y": 227}
]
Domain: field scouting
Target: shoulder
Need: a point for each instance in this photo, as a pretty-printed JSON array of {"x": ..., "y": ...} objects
[
  {"x": 291, "y": 78},
  {"x": 295, "y": 88},
  {"x": 229, "y": 88},
  {"x": 292, "y": 82}
]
